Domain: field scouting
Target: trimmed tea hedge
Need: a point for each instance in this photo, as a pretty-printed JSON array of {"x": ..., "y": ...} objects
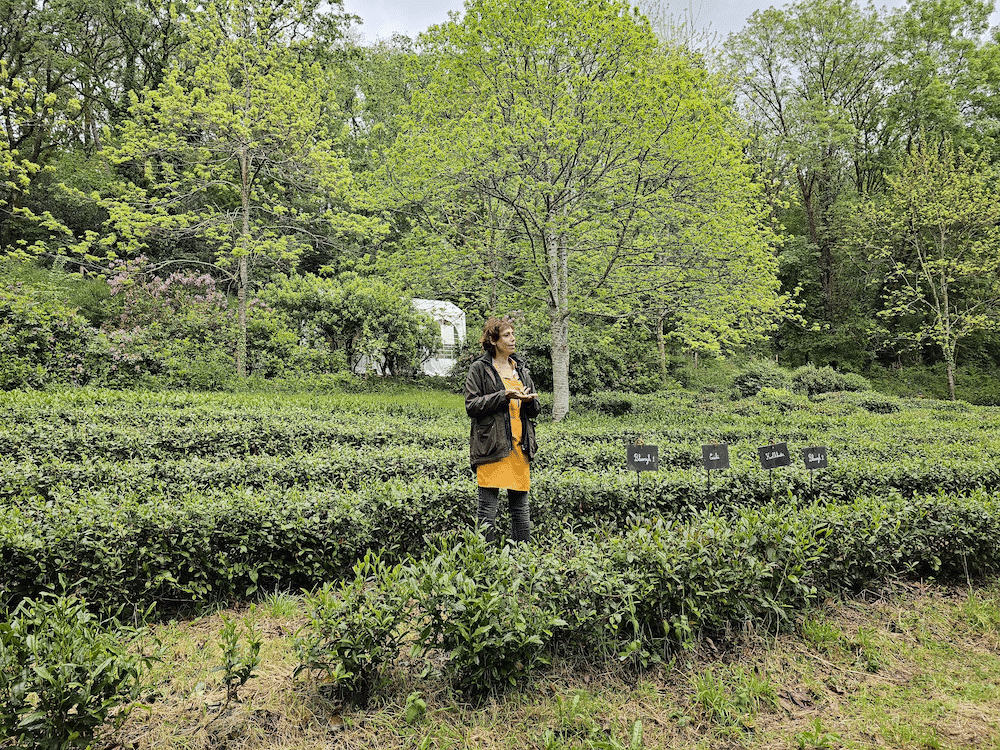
[{"x": 183, "y": 498}]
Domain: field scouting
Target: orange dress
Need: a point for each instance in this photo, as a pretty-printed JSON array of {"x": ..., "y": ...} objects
[{"x": 512, "y": 472}]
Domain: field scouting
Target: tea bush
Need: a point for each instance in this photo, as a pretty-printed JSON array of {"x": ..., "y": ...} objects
[
  {"x": 760, "y": 374},
  {"x": 239, "y": 661},
  {"x": 812, "y": 380},
  {"x": 481, "y": 610},
  {"x": 63, "y": 672},
  {"x": 183, "y": 498},
  {"x": 356, "y": 627},
  {"x": 43, "y": 340}
]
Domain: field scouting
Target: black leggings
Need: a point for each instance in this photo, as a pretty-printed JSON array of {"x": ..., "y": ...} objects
[{"x": 520, "y": 516}]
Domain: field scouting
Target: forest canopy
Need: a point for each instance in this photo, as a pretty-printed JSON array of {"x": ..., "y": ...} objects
[{"x": 630, "y": 194}]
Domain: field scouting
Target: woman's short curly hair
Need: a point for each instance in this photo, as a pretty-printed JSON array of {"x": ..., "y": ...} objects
[{"x": 491, "y": 334}]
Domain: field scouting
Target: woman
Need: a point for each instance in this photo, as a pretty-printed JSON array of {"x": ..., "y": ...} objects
[{"x": 501, "y": 401}]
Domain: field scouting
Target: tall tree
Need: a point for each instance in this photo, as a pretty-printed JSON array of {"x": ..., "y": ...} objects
[
  {"x": 238, "y": 147},
  {"x": 945, "y": 74},
  {"x": 936, "y": 234},
  {"x": 566, "y": 123},
  {"x": 67, "y": 69},
  {"x": 809, "y": 76}
]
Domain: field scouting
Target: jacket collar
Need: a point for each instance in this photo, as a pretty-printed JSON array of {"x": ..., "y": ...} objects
[{"x": 521, "y": 364}]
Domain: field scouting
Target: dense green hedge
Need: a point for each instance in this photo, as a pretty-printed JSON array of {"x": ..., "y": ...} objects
[{"x": 180, "y": 499}]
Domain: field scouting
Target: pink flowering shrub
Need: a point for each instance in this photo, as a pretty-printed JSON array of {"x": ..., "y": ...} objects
[{"x": 181, "y": 329}]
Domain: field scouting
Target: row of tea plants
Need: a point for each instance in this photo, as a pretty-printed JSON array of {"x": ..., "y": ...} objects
[
  {"x": 178, "y": 499},
  {"x": 167, "y": 500}
]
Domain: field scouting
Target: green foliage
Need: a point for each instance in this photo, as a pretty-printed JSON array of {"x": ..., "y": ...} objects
[
  {"x": 481, "y": 608},
  {"x": 975, "y": 384},
  {"x": 239, "y": 145},
  {"x": 872, "y": 401},
  {"x": 178, "y": 328},
  {"x": 522, "y": 146},
  {"x": 617, "y": 357},
  {"x": 85, "y": 293},
  {"x": 760, "y": 374},
  {"x": 42, "y": 341},
  {"x": 576, "y": 724},
  {"x": 63, "y": 673},
  {"x": 358, "y": 317},
  {"x": 634, "y": 740},
  {"x": 819, "y": 632},
  {"x": 816, "y": 737},
  {"x": 416, "y": 707},
  {"x": 356, "y": 629},
  {"x": 703, "y": 375},
  {"x": 239, "y": 662},
  {"x": 811, "y": 380},
  {"x": 191, "y": 498},
  {"x": 782, "y": 400},
  {"x": 608, "y": 403},
  {"x": 934, "y": 237}
]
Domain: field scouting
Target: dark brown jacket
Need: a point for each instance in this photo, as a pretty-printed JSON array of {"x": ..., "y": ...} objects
[{"x": 490, "y": 436}]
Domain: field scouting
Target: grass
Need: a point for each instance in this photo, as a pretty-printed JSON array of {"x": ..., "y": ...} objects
[{"x": 916, "y": 667}]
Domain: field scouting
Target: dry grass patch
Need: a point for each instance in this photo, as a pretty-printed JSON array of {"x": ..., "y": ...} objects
[{"x": 913, "y": 667}]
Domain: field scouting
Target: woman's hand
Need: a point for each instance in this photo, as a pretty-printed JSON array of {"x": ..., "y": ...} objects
[{"x": 520, "y": 395}]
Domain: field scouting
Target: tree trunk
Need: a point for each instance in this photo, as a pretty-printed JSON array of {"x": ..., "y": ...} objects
[
  {"x": 558, "y": 262},
  {"x": 560, "y": 365},
  {"x": 241, "y": 317},
  {"x": 947, "y": 333},
  {"x": 244, "y": 269},
  {"x": 661, "y": 345}
]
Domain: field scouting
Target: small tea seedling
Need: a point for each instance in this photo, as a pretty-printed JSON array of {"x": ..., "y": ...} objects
[
  {"x": 238, "y": 662},
  {"x": 416, "y": 707},
  {"x": 634, "y": 740},
  {"x": 821, "y": 633},
  {"x": 355, "y": 628},
  {"x": 734, "y": 699},
  {"x": 816, "y": 737}
]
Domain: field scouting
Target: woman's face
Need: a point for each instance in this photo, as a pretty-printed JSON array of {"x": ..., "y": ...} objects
[{"x": 506, "y": 343}]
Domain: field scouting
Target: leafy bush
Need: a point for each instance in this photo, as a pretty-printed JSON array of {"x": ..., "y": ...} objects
[
  {"x": 360, "y": 317},
  {"x": 811, "y": 380},
  {"x": 704, "y": 374},
  {"x": 482, "y": 611},
  {"x": 875, "y": 402},
  {"x": 85, "y": 294},
  {"x": 355, "y": 628},
  {"x": 600, "y": 598},
  {"x": 42, "y": 341},
  {"x": 606, "y": 402},
  {"x": 189, "y": 497},
  {"x": 761, "y": 374},
  {"x": 62, "y": 673},
  {"x": 618, "y": 357},
  {"x": 781, "y": 399},
  {"x": 975, "y": 384}
]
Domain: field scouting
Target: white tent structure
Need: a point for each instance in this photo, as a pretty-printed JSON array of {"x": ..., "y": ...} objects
[{"x": 451, "y": 320}]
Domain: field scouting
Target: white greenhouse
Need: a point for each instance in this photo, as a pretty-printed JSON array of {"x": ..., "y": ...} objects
[
  {"x": 451, "y": 320},
  {"x": 451, "y": 323}
]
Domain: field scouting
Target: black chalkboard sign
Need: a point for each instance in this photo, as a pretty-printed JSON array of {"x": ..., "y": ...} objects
[
  {"x": 715, "y": 457},
  {"x": 642, "y": 457},
  {"x": 815, "y": 457},
  {"x": 773, "y": 456}
]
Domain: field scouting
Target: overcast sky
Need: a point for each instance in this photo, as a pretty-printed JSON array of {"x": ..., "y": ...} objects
[
  {"x": 410, "y": 17},
  {"x": 718, "y": 17}
]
